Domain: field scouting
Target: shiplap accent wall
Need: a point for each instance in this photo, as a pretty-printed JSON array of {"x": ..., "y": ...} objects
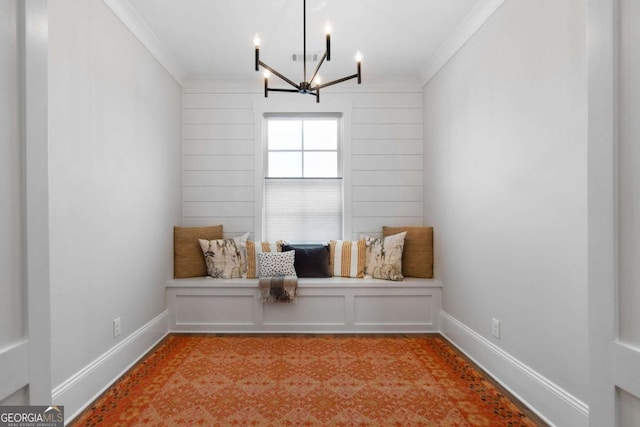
[
  {"x": 219, "y": 152},
  {"x": 218, "y": 160}
]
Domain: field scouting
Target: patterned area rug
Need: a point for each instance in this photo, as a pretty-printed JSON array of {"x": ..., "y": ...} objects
[{"x": 303, "y": 381}]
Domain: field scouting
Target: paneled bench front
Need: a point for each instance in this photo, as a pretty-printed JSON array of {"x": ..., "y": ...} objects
[{"x": 324, "y": 305}]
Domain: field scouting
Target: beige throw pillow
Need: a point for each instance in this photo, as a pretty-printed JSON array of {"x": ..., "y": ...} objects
[
  {"x": 222, "y": 258},
  {"x": 384, "y": 256},
  {"x": 417, "y": 257}
]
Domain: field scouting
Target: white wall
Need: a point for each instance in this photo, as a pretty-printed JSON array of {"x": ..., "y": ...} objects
[
  {"x": 219, "y": 154},
  {"x": 505, "y": 188},
  {"x": 12, "y": 285},
  {"x": 114, "y": 188}
]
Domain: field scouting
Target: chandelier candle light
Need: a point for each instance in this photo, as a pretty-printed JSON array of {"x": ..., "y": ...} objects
[{"x": 313, "y": 85}]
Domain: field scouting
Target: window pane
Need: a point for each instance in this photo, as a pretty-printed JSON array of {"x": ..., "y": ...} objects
[
  {"x": 321, "y": 164},
  {"x": 285, "y": 134},
  {"x": 285, "y": 164},
  {"x": 320, "y": 135}
]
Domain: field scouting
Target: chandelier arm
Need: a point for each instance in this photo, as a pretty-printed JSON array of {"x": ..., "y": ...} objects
[
  {"x": 316, "y": 94},
  {"x": 257, "y": 55},
  {"x": 344, "y": 79},
  {"x": 277, "y": 73},
  {"x": 315, "y": 73},
  {"x": 273, "y": 89}
]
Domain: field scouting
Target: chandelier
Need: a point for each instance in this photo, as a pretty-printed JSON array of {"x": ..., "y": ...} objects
[{"x": 313, "y": 85}]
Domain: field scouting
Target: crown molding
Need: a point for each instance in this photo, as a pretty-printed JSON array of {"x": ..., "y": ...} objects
[
  {"x": 132, "y": 20},
  {"x": 463, "y": 33}
]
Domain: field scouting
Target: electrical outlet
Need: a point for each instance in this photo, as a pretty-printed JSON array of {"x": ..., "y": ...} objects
[
  {"x": 495, "y": 328},
  {"x": 116, "y": 327}
]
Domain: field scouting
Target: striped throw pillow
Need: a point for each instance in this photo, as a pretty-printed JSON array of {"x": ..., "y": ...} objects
[
  {"x": 253, "y": 249},
  {"x": 347, "y": 258}
]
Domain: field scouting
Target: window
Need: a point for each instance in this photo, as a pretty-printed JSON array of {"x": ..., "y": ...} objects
[{"x": 303, "y": 179}]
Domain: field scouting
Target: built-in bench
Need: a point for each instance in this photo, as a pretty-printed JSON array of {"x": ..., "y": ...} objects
[{"x": 333, "y": 305}]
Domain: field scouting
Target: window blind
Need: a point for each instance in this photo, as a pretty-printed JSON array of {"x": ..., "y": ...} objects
[{"x": 303, "y": 209}]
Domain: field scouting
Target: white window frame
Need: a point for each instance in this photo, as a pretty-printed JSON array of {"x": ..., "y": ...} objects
[
  {"x": 299, "y": 105},
  {"x": 302, "y": 117}
]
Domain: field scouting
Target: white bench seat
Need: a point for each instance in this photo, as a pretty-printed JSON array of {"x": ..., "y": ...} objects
[{"x": 324, "y": 305}]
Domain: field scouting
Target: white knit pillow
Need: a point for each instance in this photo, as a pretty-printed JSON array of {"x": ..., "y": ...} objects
[{"x": 277, "y": 263}]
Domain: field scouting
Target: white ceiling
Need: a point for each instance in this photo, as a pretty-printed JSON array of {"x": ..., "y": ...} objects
[{"x": 214, "y": 38}]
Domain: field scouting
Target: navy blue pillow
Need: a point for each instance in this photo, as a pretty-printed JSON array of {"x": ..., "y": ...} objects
[{"x": 312, "y": 260}]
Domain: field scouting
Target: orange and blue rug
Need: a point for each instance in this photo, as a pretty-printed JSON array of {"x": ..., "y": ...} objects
[{"x": 316, "y": 380}]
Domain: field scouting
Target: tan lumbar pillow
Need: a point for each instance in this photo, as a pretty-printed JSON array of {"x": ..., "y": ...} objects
[
  {"x": 188, "y": 259},
  {"x": 417, "y": 256}
]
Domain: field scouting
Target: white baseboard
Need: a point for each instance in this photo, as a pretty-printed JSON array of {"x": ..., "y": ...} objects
[
  {"x": 552, "y": 403},
  {"x": 82, "y": 388}
]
